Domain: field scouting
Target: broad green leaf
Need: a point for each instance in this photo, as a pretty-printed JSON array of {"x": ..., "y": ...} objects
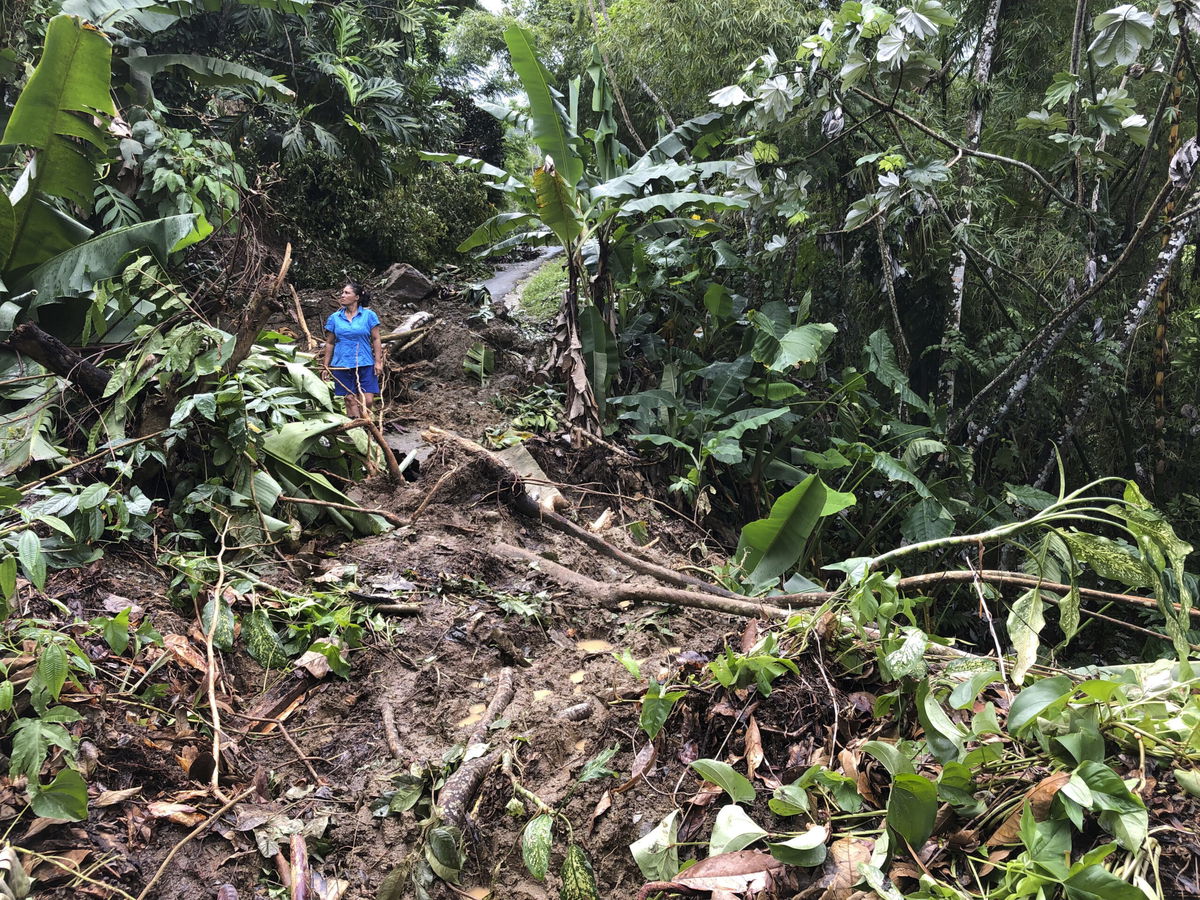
[
  {"x": 926, "y": 521},
  {"x": 1061, "y": 89},
  {"x": 1097, "y": 883},
  {"x": 656, "y": 707},
  {"x": 442, "y": 853},
  {"x": 74, "y": 272},
  {"x": 923, "y": 17},
  {"x": 893, "y": 760},
  {"x": 33, "y": 561},
  {"x": 735, "y": 784},
  {"x": 1121, "y": 33},
  {"x": 557, "y": 205},
  {"x": 262, "y": 641},
  {"x": 550, "y": 127},
  {"x": 669, "y": 203},
  {"x": 657, "y": 855},
  {"x": 63, "y": 798},
  {"x": 54, "y": 113},
  {"x": 912, "y": 809},
  {"x": 1025, "y": 622},
  {"x": 222, "y": 630},
  {"x": 52, "y": 669},
  {"x": 733, "y": 830},
  {"x": 964, "y": 694},
  {"x": 6, "y": 696},
  {"x": 601, "y": 352},
  {"x": 496, "y": 229},
  {"x": 944, "y": 737},
  {"x": 597, "y": 766},
  {"x": 908, "y": 660},
  {"x": 769, "y": 547},
  {"x": 8, "y": 230},
  {"x": 207, "y": 70},
  {"x": 1036, "y": 699},
  {"x": 1111, "y": 560},
  {"x": 807, "y": 849},
  {"x": 1122, "y": 812},
  {"x": 789, "y": 800},
  {"x": 535, "y": 845},
  {"x": 116, "y": 631},
  {"x": 8, "y": 577}
]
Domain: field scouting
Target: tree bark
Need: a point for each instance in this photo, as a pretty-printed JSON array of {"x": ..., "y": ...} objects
[
  {"x": 981, "y": 74},
  {"x": 29, "y": 340}
]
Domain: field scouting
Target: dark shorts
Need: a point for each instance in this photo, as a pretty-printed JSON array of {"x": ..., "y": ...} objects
[{"x": 355, "y": 381}]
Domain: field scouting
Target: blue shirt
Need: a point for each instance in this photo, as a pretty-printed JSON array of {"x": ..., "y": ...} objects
[{"x": 352, "y": 338}]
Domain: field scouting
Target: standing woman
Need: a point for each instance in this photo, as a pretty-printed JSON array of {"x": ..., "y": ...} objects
[{"x": 353, "y": 350}]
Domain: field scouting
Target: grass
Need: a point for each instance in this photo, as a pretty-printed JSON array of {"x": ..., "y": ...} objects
[{"x": 542, "y": 294}]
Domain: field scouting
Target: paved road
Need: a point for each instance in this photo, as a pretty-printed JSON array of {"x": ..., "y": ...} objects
[{"x": 503, "y": 284}]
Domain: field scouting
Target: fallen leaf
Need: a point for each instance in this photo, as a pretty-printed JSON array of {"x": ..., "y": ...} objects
[
  {"x": 40, "y": 824},
  {"x": 754, "y": 748},
  {"x": 109, "y": 798},
  {"x": 707, "y": 794},
  {"x": 539, "y": 696},
  {"x": 479, "y": 893},
  {"x": 1039, "y": 797},
  {"x": 642, "y": 763},
  {"x": 314, "y": 663},
  {"x": 336, "y": 573},
  {"x": 603, "y": 805},
  {"x": 179, "y": 813},
  {"x": 114, "y": 603},
  {"x": 594, "y": 647},
  {"x": 840, "y": 870},
  {"x": 183, "y": 651},
  {"x": 741, "y": 872},
  {"x": 750, "y": 635},
  {"x": 577, "y": 677}
]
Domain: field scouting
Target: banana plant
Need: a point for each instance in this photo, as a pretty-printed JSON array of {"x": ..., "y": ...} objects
[
  {"x": 586, "y": 197},
  {"x": 45, "y": 253}
]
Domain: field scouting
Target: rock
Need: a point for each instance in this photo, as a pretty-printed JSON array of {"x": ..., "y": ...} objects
[{"x": 402, "y": 282}]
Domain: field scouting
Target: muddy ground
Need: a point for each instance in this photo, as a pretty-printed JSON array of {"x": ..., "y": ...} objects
[
  {"x": 434, "y": 669},
  {"x": 328, "y": 772}
]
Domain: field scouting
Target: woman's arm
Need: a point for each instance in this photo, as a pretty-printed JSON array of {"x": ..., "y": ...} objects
[
  {"x": 377, "y": 346},
  {"x": 329, "y": 342}
]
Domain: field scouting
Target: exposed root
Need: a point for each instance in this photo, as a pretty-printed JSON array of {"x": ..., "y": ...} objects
[{"x": 389, "y": 731}]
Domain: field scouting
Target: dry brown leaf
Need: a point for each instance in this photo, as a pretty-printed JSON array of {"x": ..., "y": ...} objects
[
  {"x": 184, "y": 653},
  {"x": 1039, "y": 797},
  {"x": 754, "y": 748},
  {"x": 750, "y": 635},
  {"x": 179, "y": 813},
  {"x": 642, "y": 764},
  {"x": 743, "y": 871},
  {"x": 840, "y": 871},
  {"x": 603, "y": 805},
  {"x": 63, "y": 865},
  {"x": 109, "y": 798},
  {"x": 707, "y": 794},
  {"x": 40, "y": 824}
]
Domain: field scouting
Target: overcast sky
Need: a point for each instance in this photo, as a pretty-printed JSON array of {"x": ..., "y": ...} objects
[{"x": 492, "y": 5}]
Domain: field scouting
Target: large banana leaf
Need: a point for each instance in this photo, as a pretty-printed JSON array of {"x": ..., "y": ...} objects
[
  {"x": 556, "y": 205},
  {"x": 769, "y": 547},
  {"x": 669, "y": 203},
  {"x": 550, "y": 127},
  {"x": 74, "y": 271},
  {"x": 504, "y": 181},
  {"x": 8, "y": 230},
  {"x": 54, "y": 113},
  {"x": 496, "y": 229},
  {"x": 155, "y": 15},
  {"x": 41, "y": 232},
  {"x": 684, "y": 136},
  {"x": 207, "y": 70}
]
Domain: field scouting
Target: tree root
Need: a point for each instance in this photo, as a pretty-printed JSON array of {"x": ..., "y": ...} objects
[
  {"x": 456, "y": 794},
  {"x": 389, "y": 731},
  {"x": 512, "y": 492},
  {"x": 382, "y": 513}
]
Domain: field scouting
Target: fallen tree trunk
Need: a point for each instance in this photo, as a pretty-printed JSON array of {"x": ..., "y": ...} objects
[
  {"x": 512, "y": 491},
  {"x": 47, "y": 350}
]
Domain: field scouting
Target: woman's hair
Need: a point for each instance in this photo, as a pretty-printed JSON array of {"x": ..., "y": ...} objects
[{"x": 364, "y": 298}]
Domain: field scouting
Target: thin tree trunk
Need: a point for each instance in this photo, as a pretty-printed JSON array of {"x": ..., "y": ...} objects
[{"x": 981, "y": 74}]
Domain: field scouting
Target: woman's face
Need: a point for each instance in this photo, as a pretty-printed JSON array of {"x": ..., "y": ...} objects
[{"x": 347, "y": 298}]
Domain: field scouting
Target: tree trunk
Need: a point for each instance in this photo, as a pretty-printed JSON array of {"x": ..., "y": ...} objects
[
  {"x": 29, "y": 340},
  {"x": 981, "y": 74}
]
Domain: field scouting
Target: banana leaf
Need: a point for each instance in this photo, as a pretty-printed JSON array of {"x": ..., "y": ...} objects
[
  {"x": 549, "y": 122},
  {"x": 556, "y": 203},
  {"x": 54, "y": 113},
  {"x": 207, "y": 70}
]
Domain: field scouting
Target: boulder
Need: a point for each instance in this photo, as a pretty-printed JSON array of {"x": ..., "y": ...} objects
[{"x": 405, "y": 283}]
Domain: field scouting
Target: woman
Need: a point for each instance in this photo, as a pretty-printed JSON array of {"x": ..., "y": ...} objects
[{"x": 354, "y": 350}]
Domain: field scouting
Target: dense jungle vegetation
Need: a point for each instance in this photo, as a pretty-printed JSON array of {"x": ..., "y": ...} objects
[{"x": 869, "y": 347}]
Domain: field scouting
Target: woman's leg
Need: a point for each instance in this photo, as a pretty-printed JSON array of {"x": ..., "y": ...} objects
[{"x": 352, "y": 409}]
